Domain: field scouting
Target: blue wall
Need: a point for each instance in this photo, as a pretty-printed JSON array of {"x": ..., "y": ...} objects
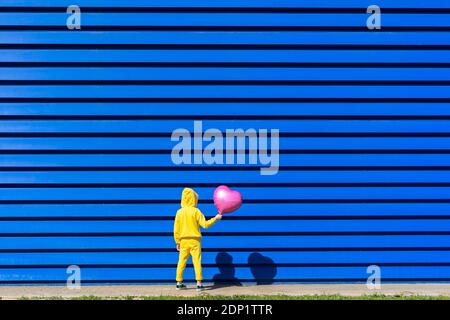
[{"x": 86, "y": 116}]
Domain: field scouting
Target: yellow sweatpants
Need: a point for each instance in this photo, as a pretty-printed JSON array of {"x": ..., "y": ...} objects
[{"x": 191, "y": 247}]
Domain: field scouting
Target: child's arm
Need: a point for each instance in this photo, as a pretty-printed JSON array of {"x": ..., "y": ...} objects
[
  {"x": 176, "y": 230},
  {"x": 205, "y": 224}
]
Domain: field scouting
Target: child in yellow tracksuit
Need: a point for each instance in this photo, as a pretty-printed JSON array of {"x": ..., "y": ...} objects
[{"x": 187, "y": 236}]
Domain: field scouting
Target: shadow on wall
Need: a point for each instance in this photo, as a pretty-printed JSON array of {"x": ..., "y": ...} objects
[
  {"x": 262, "y": 268},
  {"x": 227, "y": 270}
]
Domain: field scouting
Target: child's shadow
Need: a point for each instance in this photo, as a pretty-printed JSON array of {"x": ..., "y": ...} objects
[
  {"x": 226, "y": 276},
  {"x": 262, "y": 268}
]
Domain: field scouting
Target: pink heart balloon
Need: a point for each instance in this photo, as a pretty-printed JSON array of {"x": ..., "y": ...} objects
[{"x": 227, "y": 200}]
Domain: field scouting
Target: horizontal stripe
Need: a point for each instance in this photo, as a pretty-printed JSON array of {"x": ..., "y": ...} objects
[
  {"x": 282, "y": 135},
  {"x": 222, "y": 168},
  {"x": 130, "y": 64},
  {"x": 228, "y": 227},
  {"x": 287, "y": 127},
  {"x": 238, "y": 151},
  {"x": 227, "y": 234},
  {"x": 339, "y": 54},
  {"x": 261, "y": 217},
  {"x": 227, "y": 266},
  {"x": 223, "y": 9},
  {"x": 86, "y": 143},
  {"x": 164, "y": 160},
  {"x": 227, "y": 243},
  {"x": 228, "y": 249},
  {"x": 280, "y": 195},
  {"x": 65, "y": 36},
  {"x": 209, "y": 110},
  {"x": 251, "y": 201},
  {"x": 225, "y": 83},
  {"x": 168, "y": 135},
  {"x": 212, "y": 184},
  {"x": 215, "y": 47},
  {"x": 223, "y": 100},
  {"x": 226, "y": 281},
  {"x": 225, "y": 259},
  {"x": 242, "y": 273},
  {"x": 140, "y": 75},
  {"x": 262, "y": 265},
  {"x": 224, "y": 28},
  {"x": 245, "y": 178},
  {"x": 356, "y": 273},
  {"x": 229, "y": 91},
  {"x": 226, "y": 19},
  {"x": 232, "y": 282},
  {"x": 229, "y": 3},
  {"x": 254, "y": 211},
  {"x": 224, "y": 118}
]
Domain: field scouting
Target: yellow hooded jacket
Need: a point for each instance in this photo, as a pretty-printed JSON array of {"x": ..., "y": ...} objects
[{"x": 189, "y": 219}]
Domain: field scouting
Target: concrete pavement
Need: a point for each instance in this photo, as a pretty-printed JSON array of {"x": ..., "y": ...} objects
[{"x": 16, "y": 292}]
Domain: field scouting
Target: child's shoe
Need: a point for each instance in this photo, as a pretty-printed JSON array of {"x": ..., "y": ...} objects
[
  {"x": 180, "y": 286},
  {"x": 200, "y": 288}
]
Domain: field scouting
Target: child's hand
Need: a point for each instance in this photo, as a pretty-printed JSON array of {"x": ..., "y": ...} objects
[
  {"x": 178, "y": 247},
  {"x": 218, "y": 216}
]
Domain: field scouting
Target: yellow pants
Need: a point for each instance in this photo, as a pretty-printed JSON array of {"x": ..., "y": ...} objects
[{"x": 191, "y": 247}]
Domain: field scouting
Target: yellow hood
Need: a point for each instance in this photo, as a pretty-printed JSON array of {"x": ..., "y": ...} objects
[{"x": 189, "y": 198}]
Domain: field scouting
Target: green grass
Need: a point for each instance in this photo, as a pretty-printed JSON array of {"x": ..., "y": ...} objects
[{"x": 254, "y": 297}]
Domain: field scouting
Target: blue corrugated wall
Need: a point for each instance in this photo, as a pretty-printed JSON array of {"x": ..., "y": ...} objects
[{"x": 86, "y": 176}]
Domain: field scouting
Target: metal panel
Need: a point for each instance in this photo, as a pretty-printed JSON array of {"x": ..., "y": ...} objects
[{"x": 86, "y": 175}]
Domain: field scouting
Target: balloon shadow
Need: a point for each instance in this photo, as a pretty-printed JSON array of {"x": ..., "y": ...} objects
[
  {"x": 227, "y": 271},
  {"x": 262, "y": 268}
]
